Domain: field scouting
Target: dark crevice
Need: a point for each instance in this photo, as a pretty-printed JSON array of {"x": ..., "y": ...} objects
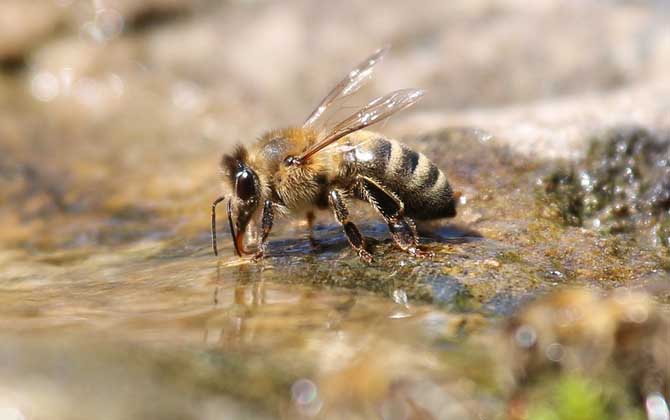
[
  {"x": 153, "y": 17},
  {"x": 13, "y": 64}
]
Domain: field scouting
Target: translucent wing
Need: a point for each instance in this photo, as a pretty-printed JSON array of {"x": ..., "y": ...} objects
[
  {"x": 349, "y": 85},
  {"x": 377, "y": 110}
]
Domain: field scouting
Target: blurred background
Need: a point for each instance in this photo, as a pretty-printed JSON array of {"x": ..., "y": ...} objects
[
  {"x": 126, "y": 105},
  {"x": 113, "y": 118}
]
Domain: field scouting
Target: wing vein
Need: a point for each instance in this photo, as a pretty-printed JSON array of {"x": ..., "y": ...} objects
[
  {"x": 353, "y": 81},
  {"x": 377, "y": 110}
]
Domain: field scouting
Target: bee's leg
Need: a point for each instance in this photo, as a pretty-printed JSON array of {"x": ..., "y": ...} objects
[
  {"x": 392, "y": 209},
  {"x": 354, "y": 236},
  {"x": 267, "y": 219},
  {"x": 310, "y": 230}
]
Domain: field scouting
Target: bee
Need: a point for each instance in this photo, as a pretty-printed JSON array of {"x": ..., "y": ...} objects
[{"x": 298, "y": 170}]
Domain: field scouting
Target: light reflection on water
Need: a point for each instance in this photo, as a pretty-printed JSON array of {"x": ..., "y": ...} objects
[{"x": 87, "y": 305}]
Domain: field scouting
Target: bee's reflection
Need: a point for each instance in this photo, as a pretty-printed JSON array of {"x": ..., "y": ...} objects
[
  {"x": 253, "y": 307},
  {"x": 234, "y": 305}
]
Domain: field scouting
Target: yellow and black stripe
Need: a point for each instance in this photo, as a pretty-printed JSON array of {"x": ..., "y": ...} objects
[{"x": 422, "y": 186}]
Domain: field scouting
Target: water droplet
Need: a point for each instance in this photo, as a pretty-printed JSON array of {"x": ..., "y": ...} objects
[
  {"x": 637, "y": 314},
  {"x": 44, "y": 86},
  {"x": 89, "y": 30},
  {"x": 304, "y": 391},
  {"x": 585, "y": 180},
  {"x": 657, "y": 407},
  {"x": 483, "y": 135},
  {"x": 106, "y": 25},
  {"x": 400, "y": 297},
  {"x": 305, "y": 394},
  {"x": 554, "y": 352},
  {"x": 525, "y": 336},
  {"x": 110, "y": 23}
]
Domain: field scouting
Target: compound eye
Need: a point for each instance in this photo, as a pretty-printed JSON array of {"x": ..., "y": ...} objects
[{"x": 245, "y": 187}]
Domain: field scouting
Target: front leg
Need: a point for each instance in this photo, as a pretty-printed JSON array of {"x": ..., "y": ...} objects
[
  {"x": 337, "y": 202},
  {"x": 266, "y": 226}
]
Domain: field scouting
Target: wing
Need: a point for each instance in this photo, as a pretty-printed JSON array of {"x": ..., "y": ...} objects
[
  {"x": 349, "y": 85},
  {"x": 377, "y": 110}
]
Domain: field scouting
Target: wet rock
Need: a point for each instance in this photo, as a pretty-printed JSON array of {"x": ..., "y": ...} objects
[
  {"x": 103, "y": 21},
  {"x": 623, "y": 185},
  {"x": 23, "y": 25},
  {"x": 142, "y": 14}
]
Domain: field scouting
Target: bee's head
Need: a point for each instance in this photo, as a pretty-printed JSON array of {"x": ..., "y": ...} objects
[{"x": 245, "y": 197}]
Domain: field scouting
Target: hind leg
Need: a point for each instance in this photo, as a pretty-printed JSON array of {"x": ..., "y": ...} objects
[{"x": 392, "y": 209}]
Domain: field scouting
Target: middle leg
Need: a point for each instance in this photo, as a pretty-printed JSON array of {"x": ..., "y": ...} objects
[
  {"x": 337, "y": 202},
  {"x": 310, "y": 230}
]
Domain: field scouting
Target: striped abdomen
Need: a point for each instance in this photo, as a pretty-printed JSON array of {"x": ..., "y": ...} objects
[{"x": 421, "y": 185}]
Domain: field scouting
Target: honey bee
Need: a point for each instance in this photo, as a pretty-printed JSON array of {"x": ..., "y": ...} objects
[{"x": 298, "y": 170}]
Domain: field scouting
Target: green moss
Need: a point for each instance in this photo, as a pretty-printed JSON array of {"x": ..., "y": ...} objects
[
  {"x": 577, "y": 398},
  {"x": 509, "y": 257},
  {"x": 664, "y": 261},
  {"x": 663, "y": 232},
  {"x": 566, "y": 197}
]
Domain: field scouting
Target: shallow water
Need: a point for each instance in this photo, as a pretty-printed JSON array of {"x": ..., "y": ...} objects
[{"x": 250, "y": 331}]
